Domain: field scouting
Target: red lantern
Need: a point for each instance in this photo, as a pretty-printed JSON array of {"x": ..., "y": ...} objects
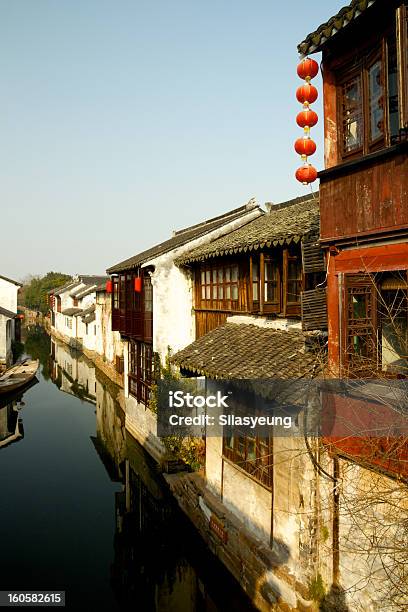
[
  {"x": 109, "y": 286},
  {"x": 306, "y": 174},
  {"x": 138, "y": 284},
  {"x": 305, "y": 146},
  {"x": 307, "y": 69},
  {"x": 306, "y": 94},
  {"x": 307, "y": 118}
]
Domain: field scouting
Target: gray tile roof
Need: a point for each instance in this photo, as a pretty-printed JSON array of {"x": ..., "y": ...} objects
[
  {"x": 315, "y": 41},
  {"x": 70, "y": 312},
  {"x": 182, "y": 237},
  {"x": 88, "y": 310},
  {"x": 242, "y": 350},
  {"x": 64, "y": 288},
  {"x": 10, "y": 280},
  {"x": 7, "y": 313},
  {"x": 286, "y": 222}
]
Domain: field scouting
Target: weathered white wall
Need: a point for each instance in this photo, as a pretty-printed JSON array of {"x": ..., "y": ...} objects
[
  {"x": 6, "y": 337},
  {"x": 373, "y": 510},
  {"x": 8, "y": 295},
  {"x": 8, "y": 300},
  {"x": 248, "y": 500},
  {"x": 108, "y": 343},
  {"x": 142, "y": 424},
  {"x": 88, "y": 334}
]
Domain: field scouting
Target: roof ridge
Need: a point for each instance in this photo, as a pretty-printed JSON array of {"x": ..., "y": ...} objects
[
  {"x": 314, "y": 195},
  {"x": 251, "y": 205},
  {"x": 10, "y": 280}
]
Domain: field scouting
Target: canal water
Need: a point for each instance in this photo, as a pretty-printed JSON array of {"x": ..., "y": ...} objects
[{"x": 83, "y": 508}]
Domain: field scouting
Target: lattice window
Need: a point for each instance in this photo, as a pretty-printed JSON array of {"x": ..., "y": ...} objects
[{"x": 252, "y": 454}]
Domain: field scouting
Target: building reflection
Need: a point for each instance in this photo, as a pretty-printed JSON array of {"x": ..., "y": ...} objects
[
  {"x": 159, "y": 562},
  {"x": 72, "y": 372}
]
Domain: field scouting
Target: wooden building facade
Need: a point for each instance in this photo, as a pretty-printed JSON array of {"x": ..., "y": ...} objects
[
  {"x": 364, "y": 187},
  {"x": 268, "y": 268}
]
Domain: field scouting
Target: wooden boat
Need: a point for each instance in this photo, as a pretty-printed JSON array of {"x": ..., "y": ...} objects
[{"x": 18, "y": 375}]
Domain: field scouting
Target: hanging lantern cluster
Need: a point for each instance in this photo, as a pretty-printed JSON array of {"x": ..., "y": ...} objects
[
  {"x": 109, "y": 286},
  {"x": 306, "y": 94}
]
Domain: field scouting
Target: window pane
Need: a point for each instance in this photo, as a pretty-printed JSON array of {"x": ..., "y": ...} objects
[
  {"x": 208, "y": 276},
  {"x": 251, "y": 449},
  {"x": 255, "y": 296},
  {"x": 228, "y": 292},
  {"x": 234, "y": 274},
  {"x": 270, "y": 292},
  {"x": 227, "y": 274},
  {"x": 214, "y": 276},
  {"x": 359, "y": 306},
  {"x": 220, "y": 292},
  {"x": 294, "y": 270},
  {"x": 293, "y": 291},
  {"x": 271, "y": 271},
  {"x": 220, "y": 275},
  {"x": 234, "y": 292},
  {"x": 352, "y": 115},
  {"x": 393, "y": 109},
  {"x": 214, "y": 292},
  {"x": 203, "y": 292},
  {"x": 202, "y": 277},
  {"x": 208, "y": 292},
  {"x": 255, "y": 271},
  {"x": 376, "y": 98}
]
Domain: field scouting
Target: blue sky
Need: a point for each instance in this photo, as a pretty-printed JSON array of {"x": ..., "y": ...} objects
[{"x": 121, "y": 121}]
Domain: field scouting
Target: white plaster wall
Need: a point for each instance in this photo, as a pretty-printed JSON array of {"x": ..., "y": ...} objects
[
  {"x": 248, "y": 500},
  {"x": 8, "y": 295},
  {"x": 108, "y": 343},
  {"x": 89, "y": 338},
  {"x": 373, "y": 513},
  {"x": 5, "y": 341},
  {"x": 213, "y": 464},
  {"x": 142, "y": 424}
]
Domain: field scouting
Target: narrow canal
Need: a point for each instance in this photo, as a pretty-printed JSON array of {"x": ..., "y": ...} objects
[{"x": 83, "y": 508}]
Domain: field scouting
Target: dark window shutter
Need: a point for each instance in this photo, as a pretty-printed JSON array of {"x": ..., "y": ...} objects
[
  {"x": 314, "y": 309},
  {"x": 312, "y": 256}
]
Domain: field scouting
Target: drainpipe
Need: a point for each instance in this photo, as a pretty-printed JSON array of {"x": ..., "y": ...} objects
[{"x": 336, "y": 523}]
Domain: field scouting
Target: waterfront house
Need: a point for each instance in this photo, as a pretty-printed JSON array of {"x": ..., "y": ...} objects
[
  {"x": 259, "y": 315},
  {"x": 267, "y": 268},
  {"x": 364, "y": 186},
  {"x": 364, "y": 233},
  {"x": 152, "y": 302},
  {"x": 8, "y": 319},
  {"x": 73, "y": 310}
]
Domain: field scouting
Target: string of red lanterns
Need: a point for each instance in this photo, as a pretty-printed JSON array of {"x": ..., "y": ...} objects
[{"x": 306, "y": 94}]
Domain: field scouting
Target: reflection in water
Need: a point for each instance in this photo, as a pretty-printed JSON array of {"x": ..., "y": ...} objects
[
  {"x": 149, "y": 557},
  {"x": 11, "y": 424}
]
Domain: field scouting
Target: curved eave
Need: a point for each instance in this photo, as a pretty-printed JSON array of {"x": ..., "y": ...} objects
[
  {"x": 242, "y": 249},
  {"x": 316, "y": 40}
]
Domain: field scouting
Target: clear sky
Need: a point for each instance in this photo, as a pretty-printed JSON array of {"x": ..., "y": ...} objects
[{"x": 122, "y": 121}]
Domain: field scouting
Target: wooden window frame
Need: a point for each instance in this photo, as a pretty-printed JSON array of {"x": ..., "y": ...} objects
[
  {"x": 218, "y": 286},
  {"x": 360, "y": 327},
  {"x": 274, "y": 305},
  {"x": 360, "y": 69},
  {"x": 140, "y": 370},
  {"x": 255, "y": 468},
  {"x": 132, "y": 311}
]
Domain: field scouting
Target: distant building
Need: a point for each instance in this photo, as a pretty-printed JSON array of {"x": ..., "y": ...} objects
[
  {"x": 8, "y": 314},
  {"x": 73, "y": 310}
]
